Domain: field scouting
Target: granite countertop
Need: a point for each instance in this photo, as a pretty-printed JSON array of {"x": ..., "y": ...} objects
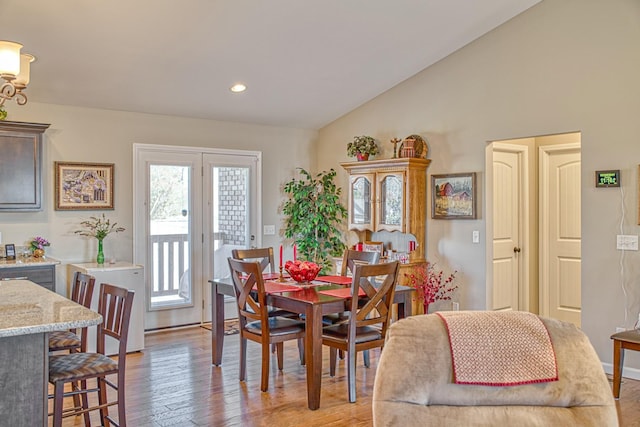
[
  {"x": 28, "y": 308},
  {"x": 28, "y": 262}
]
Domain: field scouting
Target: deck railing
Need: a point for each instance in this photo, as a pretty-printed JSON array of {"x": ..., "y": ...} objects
[{"x": 170, "y": 260}]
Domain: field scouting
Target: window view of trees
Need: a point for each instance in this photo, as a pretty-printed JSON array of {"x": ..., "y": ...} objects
[{"x": 169, "y": 196}]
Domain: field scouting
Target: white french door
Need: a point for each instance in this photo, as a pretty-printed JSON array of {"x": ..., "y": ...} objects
[
  {"x": 231, "y": 213},
  {"x": 192, "y": 206}
]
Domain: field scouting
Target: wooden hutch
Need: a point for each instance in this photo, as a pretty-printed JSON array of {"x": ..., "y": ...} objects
[{"x": 390, "y": 195}]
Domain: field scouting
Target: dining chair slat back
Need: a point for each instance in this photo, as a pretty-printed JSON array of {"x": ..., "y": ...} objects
[
  {"x": 351, "y": 258},
  {"x": 263, "y": 255}
]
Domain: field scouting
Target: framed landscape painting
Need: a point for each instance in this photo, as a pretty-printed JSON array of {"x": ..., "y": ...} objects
[
  {"x": 453, "y": 196},
  {"x": 83, "y": 186}
]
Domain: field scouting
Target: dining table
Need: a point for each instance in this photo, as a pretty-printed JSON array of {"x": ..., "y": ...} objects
[{"x": 313, "y": 300}]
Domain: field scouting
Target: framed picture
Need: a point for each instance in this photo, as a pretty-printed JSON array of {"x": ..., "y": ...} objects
[
  {"x": 10, "y": 251},
  {"x": 453, "y": 196},
  {"x": 83, "y": 186}
]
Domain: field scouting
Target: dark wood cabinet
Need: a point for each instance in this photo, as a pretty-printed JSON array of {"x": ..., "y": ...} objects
[
  {"x": 43, "y": 275},
  {"x": 21, "y": 166}
]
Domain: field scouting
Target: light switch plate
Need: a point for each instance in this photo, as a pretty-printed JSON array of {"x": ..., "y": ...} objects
[
  {"x": 269, "y": 230},
  {"x": 475, "y": 236},
  {"x": 627, "y": 242}
]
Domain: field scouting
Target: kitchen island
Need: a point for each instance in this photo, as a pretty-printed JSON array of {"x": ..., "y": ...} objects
[{"x": 28, "y": 312}]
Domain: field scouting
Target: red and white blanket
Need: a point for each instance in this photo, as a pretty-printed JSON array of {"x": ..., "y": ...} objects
[{"x": 499, "y": 348}]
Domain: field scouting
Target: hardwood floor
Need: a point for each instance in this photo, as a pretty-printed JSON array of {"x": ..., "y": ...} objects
[{"x": 172, "y": 383}]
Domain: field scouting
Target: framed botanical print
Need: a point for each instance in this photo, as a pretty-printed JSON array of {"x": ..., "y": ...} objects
[{"x": 83, "y": 186}]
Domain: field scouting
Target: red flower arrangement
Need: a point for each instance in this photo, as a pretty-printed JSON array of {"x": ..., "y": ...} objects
[{"x": 430, "y": 285}]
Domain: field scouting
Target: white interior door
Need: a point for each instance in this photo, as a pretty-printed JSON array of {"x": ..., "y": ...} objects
[
  {"x": 231, "y": 212},
  {"x": 508, "y": 168},
  {"x": 560, "y": 234}
]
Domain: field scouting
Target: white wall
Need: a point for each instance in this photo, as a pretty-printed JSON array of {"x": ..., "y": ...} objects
[
  {"x": 101, "y": 136},
  {"x": 561, "y": 66}
]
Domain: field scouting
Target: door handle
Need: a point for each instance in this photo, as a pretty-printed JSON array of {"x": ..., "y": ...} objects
[{"x": 516, "y": 249}]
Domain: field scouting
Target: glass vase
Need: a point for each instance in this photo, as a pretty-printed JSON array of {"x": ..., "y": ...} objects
[{"x": 100, "y": 257}]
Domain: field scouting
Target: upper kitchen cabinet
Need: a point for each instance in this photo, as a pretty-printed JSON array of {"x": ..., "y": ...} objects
[
  {"x": 388, "y": 195},
  {"x": 21, "y": 166}
]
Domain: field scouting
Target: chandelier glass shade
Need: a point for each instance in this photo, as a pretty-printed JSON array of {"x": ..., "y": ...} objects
[{"x": 14, "y": 72}]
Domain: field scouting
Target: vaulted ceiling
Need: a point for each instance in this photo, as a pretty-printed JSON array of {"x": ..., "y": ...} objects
[{"x": 305, "y": 62}]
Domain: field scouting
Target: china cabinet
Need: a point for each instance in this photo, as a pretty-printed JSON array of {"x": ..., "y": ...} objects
[
  {"x": 21, "y": 166},
  {"x": 389, "y": 195}
]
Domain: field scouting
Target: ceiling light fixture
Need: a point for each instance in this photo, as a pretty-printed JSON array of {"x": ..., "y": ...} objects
[
  {"x": 238, "y": 87},
  {"x": 14, "y": 71}
]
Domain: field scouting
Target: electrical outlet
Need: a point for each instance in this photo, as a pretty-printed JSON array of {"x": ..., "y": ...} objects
[
  {"x": 455, "y": 306},
  {"x": 269, "y": 230},
  {"x": 620, "y": 329}
]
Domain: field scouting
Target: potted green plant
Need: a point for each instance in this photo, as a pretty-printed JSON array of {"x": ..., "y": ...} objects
[
  {"x": 362, "y": 147},
  {"x": 313, "y": 213}
]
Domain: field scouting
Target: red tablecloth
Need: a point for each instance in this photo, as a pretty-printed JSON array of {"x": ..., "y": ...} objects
[{"x": 339, "y": 280}]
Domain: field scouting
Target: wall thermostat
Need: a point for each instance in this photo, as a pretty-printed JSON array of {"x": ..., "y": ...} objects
[{"x": 609, "y": 178}]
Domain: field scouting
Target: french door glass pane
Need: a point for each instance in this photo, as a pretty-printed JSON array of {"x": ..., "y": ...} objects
[
  {"x": 169, "y": 235},
  {"x": 230, "y": 215}
]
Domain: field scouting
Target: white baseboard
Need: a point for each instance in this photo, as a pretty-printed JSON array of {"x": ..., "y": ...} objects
[{"x": 632, "y": 373}]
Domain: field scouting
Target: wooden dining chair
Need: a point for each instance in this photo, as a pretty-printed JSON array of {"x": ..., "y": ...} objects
[
  {"x": 114, "y": 304},
  {"x": 351, "y": 258},
  {"x": 81, "y": 293},
  {"x": 625, "y": 340},
  {"x": 255, "y": 323},
  {"x": 266, "y": 259},
  {"x": 367, "y": 325},
  {"x": 263, "y": 255}
]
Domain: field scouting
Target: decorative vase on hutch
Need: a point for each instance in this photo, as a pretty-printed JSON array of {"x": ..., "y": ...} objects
[
  {"x": 100, "y": 257},
  {"x": 38, "y": 253},
  {"x": 362, "y": 156}
]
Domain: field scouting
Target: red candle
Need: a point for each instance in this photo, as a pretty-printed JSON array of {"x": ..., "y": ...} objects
[
  {"x": 295, "y": 254},
  {"x": 281, "y": 256}
]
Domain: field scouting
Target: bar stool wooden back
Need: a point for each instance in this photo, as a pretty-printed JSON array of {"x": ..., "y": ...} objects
[
  {"x": 81, "y": 293},
  {"x": 114, "y": 305}
]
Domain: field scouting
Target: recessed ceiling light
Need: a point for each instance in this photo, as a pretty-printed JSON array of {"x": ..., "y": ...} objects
[{"x": 238, "y": 87}]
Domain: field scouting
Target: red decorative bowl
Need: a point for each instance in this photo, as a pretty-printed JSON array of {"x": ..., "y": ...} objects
[{"x": 302, "y": 271}]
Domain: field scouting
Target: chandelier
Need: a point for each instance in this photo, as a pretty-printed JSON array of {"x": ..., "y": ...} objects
[{"x": 14, "y": 72}]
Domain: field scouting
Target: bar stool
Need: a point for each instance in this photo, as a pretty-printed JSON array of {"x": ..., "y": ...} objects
[
  {"x": 114, "y": 305},
  {"x": 81, "y": 293},
  {"x": 626, "y": 340}
]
